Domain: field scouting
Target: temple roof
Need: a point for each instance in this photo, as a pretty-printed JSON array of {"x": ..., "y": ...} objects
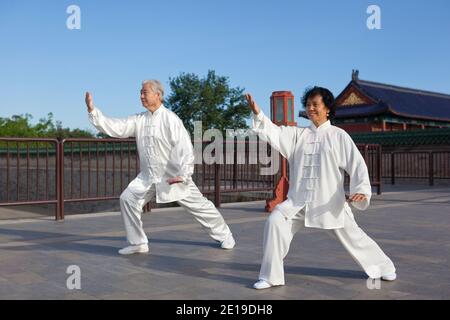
[
  {"x": 362, "y": 98},
  {"x": 411, "y": 103}
]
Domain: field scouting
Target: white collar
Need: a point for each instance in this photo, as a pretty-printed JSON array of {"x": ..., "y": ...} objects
[
  {"x": 157, "y": 111},
  {"x": 320, "y": 128}
]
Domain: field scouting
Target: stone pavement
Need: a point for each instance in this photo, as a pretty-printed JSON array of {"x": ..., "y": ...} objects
[{"x": 411, "y": 224}]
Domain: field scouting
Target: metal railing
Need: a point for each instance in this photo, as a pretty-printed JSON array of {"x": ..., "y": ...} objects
[
  {"x": 429, "y": 165},
  {"x": 51, "y": 171},
  {"x": 95, "y": 169},
  {"x": 372, "y": 156},
  {"x": 24, "y": 154}
]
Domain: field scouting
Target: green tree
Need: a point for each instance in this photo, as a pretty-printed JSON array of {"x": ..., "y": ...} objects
[
  {"x": 17, "y": 126},
  {"x": 20, "y": 126},
  {"x": 210, "y": 100}
]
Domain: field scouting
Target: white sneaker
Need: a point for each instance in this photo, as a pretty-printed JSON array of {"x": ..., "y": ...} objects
[
  {"x": 142, "y": 248},
  {"x": 228, "y": 243},
  {"x": 389, "y": 277},
  {"x": 261, "y": 284}
]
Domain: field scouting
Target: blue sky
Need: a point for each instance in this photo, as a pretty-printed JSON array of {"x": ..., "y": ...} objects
[{"x": 262, "y": 46}]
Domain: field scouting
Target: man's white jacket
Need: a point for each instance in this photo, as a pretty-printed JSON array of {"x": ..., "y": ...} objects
[
  {"x": 317, "y": 157},
  {"x": 164, "y": 147}
]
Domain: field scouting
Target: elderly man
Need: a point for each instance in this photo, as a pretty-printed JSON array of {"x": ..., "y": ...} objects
[
  {"x": 167, "y": 164},
  {"x": 318, "y": 157}
]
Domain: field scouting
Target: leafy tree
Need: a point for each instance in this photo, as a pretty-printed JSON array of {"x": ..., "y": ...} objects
[
  {"x": 20, "y": 126},
  {"x": 17, "y": 126},
  {"x": 210, "y": 100}
]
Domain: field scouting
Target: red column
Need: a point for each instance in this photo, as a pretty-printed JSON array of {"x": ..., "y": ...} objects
[{"x": 282, "y": 187}]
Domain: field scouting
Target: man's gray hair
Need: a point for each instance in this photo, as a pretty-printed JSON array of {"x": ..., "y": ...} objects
[{"x": 156, "y": 86}]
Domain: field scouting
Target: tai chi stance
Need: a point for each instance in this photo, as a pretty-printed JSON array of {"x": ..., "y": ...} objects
[
  {"x": 317, "y": 156},
  {"x": 167, "y": 164}
]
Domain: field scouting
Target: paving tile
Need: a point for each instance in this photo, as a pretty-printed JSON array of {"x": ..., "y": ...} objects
[{"x": 411, "y": 225}]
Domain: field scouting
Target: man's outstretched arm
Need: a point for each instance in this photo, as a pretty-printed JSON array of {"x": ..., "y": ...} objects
[{"x": 117, "y": 128}]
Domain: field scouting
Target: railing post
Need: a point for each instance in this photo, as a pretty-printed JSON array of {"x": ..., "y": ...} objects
[
  {"x": 62, "y": 213},
  {"x": 392, "y": 167},
  {"x": 217, "y": 184},
  {"x": 235, "y": 167},
  {"x": 60, "y": 179},
  {"x": 379, "y": 169},
  {"x": 431, "y": 168}
]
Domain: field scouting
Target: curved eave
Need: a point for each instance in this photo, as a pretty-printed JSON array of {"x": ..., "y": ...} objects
[
  {"x": 412, "y": 116},
  {"x": 364, "y": 111},
  {"x": 360, "y": 111},
  {"x": 391, "y": 108}
]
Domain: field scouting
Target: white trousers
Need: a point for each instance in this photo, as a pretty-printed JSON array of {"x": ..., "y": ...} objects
[
  {"x": 133, "y": 200},
  {"x": 278, "y": 234}
]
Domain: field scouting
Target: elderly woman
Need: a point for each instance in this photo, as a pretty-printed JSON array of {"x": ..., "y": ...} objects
[{"x": 318, "y": 156}]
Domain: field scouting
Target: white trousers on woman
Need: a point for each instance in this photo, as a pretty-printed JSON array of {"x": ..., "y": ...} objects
[
  {"x": 132, "y": 201},
  {"x": 278, "y": 234}
]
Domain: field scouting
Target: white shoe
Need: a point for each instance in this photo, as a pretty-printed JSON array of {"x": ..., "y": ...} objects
[
  {"x": 389, "y": 277},
  {"x": 142, "y": 248},
  {"x": 261, "y": 284},
  {"x": 228, "y": 243}
]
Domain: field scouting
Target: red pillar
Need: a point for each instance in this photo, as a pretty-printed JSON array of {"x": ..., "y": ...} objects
[{"x": 282, "y": 113}]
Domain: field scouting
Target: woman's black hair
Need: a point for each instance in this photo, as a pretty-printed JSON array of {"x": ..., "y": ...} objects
[{"x": 327, "y": 98}]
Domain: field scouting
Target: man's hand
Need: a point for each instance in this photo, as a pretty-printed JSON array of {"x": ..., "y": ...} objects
[
  {"x": 174, "y": 180},
  {"x": 89, "y": 102},
  {"x": 252, "y": 103},
  {"x": 356, "y": 197}
]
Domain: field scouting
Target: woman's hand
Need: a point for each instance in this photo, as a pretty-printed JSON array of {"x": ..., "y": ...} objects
[
  {"x": 89, "y": 102},
  {"x": 252, "y": 103},
  {"x": 174, "y": 180},
  {"x": 357, "y": 197}
]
